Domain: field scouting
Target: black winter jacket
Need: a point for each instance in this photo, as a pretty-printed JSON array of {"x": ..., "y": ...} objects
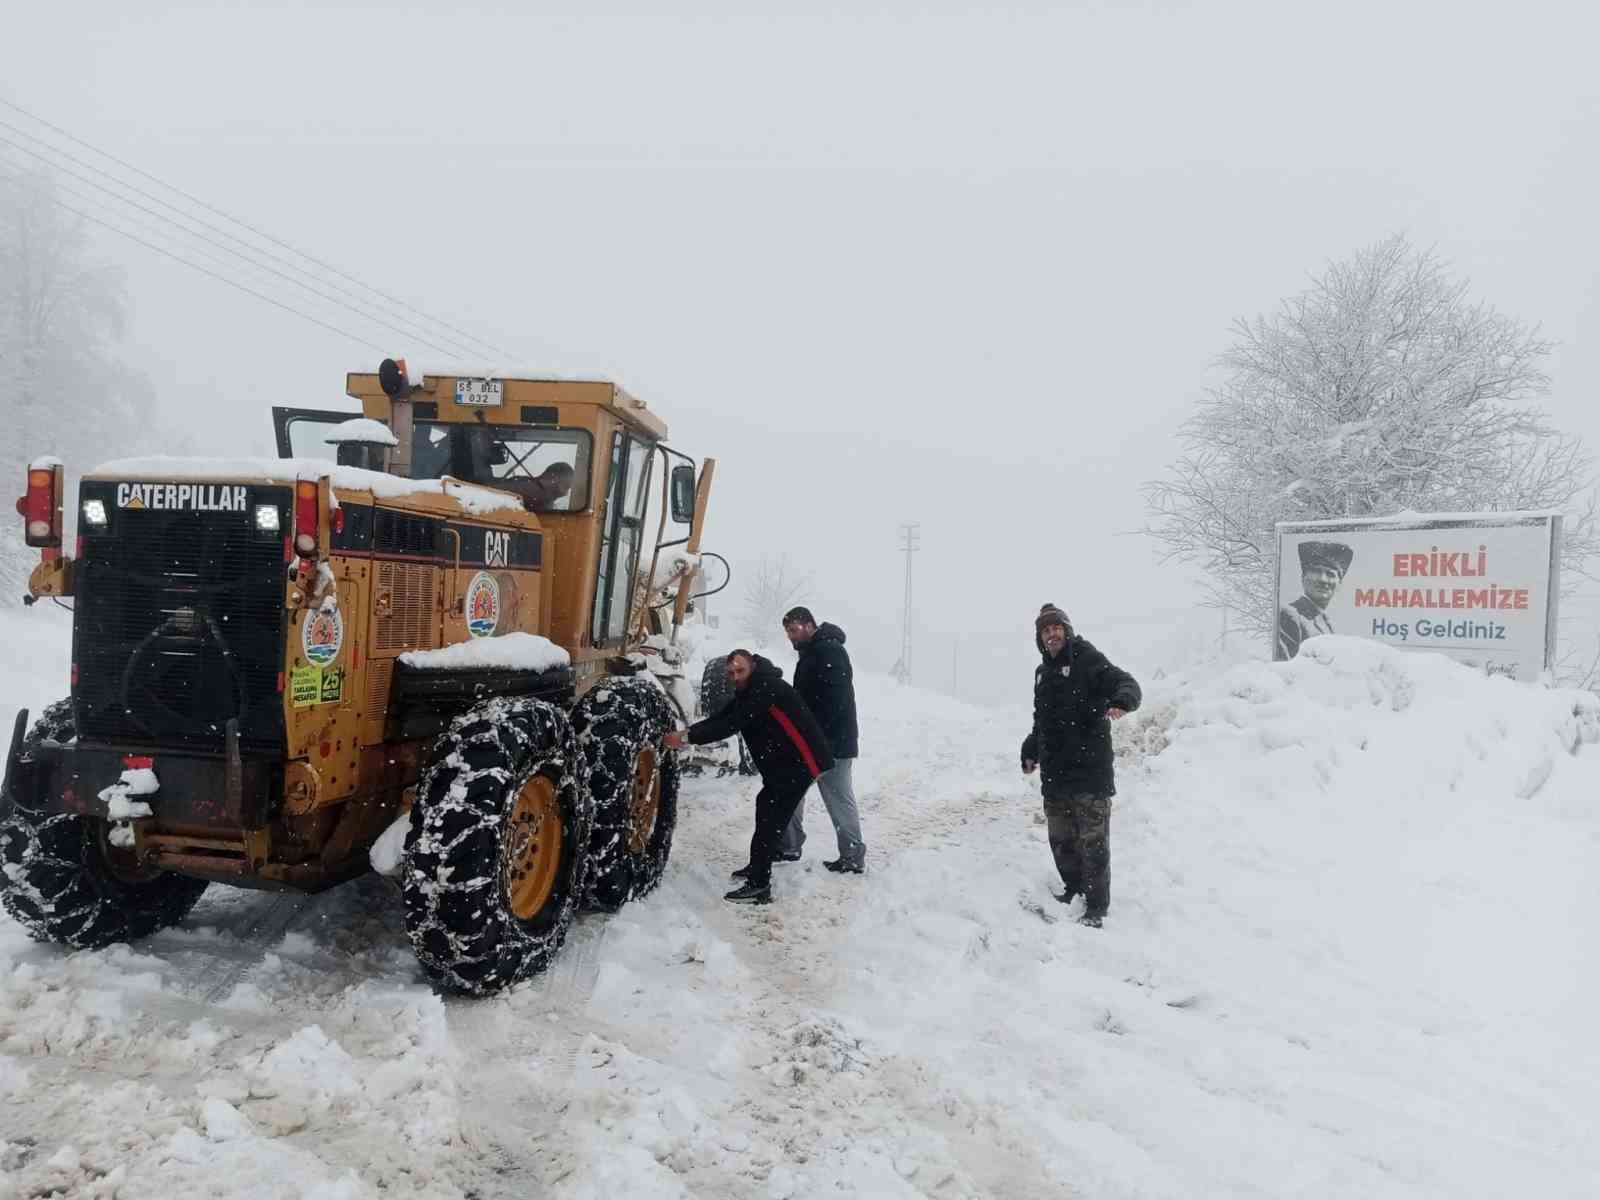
[
  {"x": 783, "y": 737},
  {"x": 1071, "y": 738},
  {"x": 826, "y": 683}
]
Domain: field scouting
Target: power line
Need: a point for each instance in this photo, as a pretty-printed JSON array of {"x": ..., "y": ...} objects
[
  {"x": 224, "y": 247},
  {"x": 52, "y": 186},
  {"x": 393, "y": 301},
  {"x": 236, "y": 253},
  {"x": 233, "y": 283}
]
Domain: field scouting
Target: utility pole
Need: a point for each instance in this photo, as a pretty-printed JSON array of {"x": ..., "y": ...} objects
[{"x": 903, "y": 667}]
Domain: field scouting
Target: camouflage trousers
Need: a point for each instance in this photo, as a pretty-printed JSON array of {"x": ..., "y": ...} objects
[{"x": 1079, "y": 825}]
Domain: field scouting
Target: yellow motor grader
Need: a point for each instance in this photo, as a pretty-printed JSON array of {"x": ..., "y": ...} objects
[{"x": 412, "y": 631}]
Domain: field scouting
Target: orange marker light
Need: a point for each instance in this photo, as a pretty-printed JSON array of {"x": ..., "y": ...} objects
[{"x": 305, "y": 517}]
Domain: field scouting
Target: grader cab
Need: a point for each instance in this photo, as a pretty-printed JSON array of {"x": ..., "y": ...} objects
[{"x": 411, "y": 641}]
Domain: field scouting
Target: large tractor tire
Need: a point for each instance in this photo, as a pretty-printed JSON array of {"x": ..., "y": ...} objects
[
  {"x": 634, "y": 782},
  {"x": 64, "y": 882},
  {"x": 716, "y": 691},
  {"x": 497, "y": 855}
]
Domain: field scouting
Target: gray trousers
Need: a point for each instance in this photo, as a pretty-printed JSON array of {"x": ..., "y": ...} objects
[{"x": 839, "y": 794}]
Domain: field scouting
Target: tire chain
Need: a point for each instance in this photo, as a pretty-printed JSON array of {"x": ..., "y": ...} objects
[
  {"x": 56, "y": 884},
  {"x": 614, "y": 721},
  {"x": 457, "y": 852}
]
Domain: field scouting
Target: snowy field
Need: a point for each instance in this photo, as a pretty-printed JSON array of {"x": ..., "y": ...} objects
[{"x": 1352, "y": 951}]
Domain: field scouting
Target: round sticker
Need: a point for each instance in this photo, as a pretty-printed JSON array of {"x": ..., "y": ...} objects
[
  {"x": 322, "y": 635},
  {"x": 483, "y": 605}
]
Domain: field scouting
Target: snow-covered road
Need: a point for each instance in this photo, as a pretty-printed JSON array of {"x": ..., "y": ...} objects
[{"x": 1350, "y": 953}]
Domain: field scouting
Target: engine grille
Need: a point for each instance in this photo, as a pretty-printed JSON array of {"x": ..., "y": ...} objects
[
  {"x": 180, "y": 624},
  {"x": 406, "y": 608}
]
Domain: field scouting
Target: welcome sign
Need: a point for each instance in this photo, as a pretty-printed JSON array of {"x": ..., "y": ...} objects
[{"x": 1482, "y": 588}]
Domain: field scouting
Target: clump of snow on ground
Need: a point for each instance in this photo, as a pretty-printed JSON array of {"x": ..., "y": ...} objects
[
  {"x": 511, "y": 651},
  {"x": 1349, "y": 952}
]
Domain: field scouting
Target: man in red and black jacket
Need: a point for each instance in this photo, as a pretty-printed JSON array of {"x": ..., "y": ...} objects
[{"x": 788, "y": 748}]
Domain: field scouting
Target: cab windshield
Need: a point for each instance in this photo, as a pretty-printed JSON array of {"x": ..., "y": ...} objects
[{"x": 548, "y": 467}]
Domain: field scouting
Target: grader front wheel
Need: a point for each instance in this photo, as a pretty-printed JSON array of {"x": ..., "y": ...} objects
[{"x": 634, "y": 781}]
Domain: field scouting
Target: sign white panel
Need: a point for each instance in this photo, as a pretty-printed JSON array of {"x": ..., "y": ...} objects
[{"x": 1480, "y": 588}]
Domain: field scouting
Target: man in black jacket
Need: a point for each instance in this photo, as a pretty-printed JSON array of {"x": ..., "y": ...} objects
[
  {"x": 826, "y": 683},
  {"x": 788, "y": 748},
  {"x": 1075, "y": 690}
]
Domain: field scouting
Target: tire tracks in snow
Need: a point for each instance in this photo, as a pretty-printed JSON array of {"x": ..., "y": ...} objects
[
  {"x": 817, "y": 1078},
  {"x": 521, "y": 1050}
]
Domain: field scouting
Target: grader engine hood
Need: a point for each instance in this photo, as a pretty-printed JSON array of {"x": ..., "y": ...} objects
[{"x": 179, "y": 620}]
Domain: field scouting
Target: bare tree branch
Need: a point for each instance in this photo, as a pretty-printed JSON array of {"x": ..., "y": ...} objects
[{"x": 774, "y": 589}]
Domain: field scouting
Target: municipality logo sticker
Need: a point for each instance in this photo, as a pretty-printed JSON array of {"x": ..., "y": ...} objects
[
  {"x": 322, "y": 635},
  {"x": 483, "y": 605}
]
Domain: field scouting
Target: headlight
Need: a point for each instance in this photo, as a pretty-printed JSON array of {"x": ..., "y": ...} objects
[
  {"x": 267, "y": 518},
  {"x": 94, "y": 513}
]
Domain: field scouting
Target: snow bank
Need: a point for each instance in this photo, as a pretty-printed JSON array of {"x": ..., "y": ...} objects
[
  {"x": 1353, "y": 715},
  {"x": 472, "y": 498},
  {"x": 511, "y": 651}
]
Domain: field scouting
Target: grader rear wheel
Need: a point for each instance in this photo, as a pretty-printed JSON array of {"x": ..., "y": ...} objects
[
  {"x": 63, "y": 880},
  {"x": 533, "y": 858},
  {"x": 496, "y": 859}
]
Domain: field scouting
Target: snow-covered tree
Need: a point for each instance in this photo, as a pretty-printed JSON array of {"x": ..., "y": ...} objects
[
  {"x": 1380, "y": 389},
  {"x": 61, "y": 390},
  {"x": 774, "y": 589}
]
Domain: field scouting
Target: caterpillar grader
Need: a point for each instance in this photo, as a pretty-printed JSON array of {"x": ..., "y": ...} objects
[{"x": 417, "y": 629}]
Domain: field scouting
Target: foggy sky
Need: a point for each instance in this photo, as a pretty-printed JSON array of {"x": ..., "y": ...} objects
[{"x": 964, "y": 267}]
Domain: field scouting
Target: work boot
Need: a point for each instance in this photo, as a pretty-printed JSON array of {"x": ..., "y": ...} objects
[
  {"x": 742, "y": 873},
  {"x": 842, "y": 867},
  {"x": 750, "y": 893}
]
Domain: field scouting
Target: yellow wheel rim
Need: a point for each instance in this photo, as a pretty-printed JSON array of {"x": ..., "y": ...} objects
[
  {"x": 534, "y": 862},
  {"x": 645, "y": 802}
]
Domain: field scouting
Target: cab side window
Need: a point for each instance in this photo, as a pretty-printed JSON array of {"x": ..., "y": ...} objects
[{"x": 627, "y": 489}]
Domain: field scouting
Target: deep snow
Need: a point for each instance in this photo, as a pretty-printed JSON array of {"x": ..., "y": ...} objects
[{"x": 1351, "y": 952}]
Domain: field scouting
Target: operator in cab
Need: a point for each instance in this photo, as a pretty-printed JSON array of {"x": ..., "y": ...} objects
[{"x": 541, "y": 492}]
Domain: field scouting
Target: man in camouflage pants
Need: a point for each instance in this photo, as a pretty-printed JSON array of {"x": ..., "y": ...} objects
[{"x": 1077, "y": 692}]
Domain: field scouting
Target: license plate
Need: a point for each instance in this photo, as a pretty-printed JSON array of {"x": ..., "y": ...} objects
[{"x": 478, "y": 393}]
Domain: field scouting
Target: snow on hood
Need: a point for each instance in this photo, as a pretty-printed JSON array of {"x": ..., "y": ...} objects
[
  {"x": 361, "y": 429},
  {"x": 511, "y": 651},
  {"x": 472, "y": 497},
  {"x": 828, "y": 632}
]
